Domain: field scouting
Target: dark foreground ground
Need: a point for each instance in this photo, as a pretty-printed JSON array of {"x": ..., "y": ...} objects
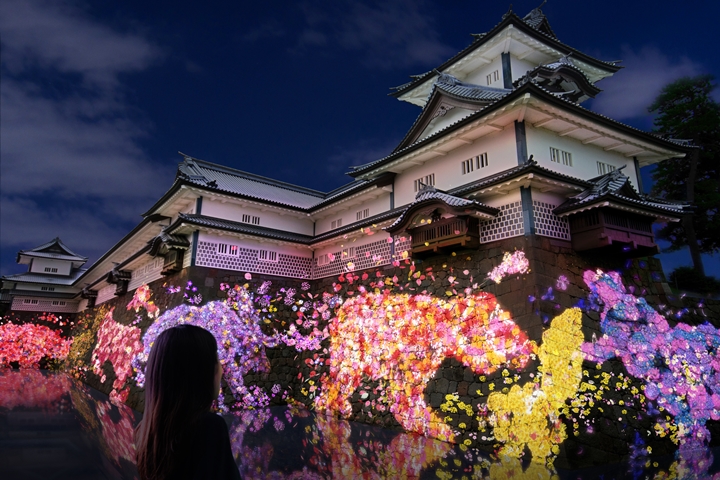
[{"x": 53, "y": 427}]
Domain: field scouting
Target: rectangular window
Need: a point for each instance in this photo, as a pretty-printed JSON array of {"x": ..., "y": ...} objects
[
  {"x": 348, "y": 253},
  {"x": 428, "y": 180},
  {"x": 222, "y": 248},
  {"x": 30, "y": 301},
  {"x": 234, "y": 250},
  {"x": 47, "y": 289},
  {"x": 323, "y": 260},
  {"x": 336, "y": 223},
  {"x": 362, "y": 214},
  {"x": 604, "y": 168},
  {"x": 489, "y": 79},
  {"x": 481, "y": 161},
  {"x": 467, "y": 166},
  {"x": 267, "y": 256},
  {"x": 58, "y": 303},
  {"x": 51, "y": 269},
  {"x": 561, "y": 156}
]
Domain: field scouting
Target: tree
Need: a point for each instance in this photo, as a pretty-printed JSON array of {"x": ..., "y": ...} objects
[{"x": 687, "y": 111}]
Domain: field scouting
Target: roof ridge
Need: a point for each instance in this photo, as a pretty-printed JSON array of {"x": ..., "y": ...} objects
[{"x": 255, "y": 177}]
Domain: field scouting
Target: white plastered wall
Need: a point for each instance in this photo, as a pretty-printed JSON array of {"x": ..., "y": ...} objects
[
  {"x": 479, "y": 76},
  {"x": 39, "y": 265},
  {"x": 584, "y": 157},
  {"x": 349, "y": 215},
  {"x": 519, "y": 67},
  {"x": 501, "y": 154},
  {"x": 268, "y": 218}
]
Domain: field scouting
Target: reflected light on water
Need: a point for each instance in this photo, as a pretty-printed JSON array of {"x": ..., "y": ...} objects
[{"x": 53, "y": 427}]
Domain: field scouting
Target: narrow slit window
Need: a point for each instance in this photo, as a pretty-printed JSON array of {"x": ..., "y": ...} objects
[
  {"x": 428, "y": 180},
  {"x": 604, "y": 168},
  {"x": 481, "y": 161}
]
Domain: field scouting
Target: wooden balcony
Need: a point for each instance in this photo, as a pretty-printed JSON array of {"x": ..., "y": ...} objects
[
  {"x": 609, "y": 229},
  {"x": 451, "y": 232}
]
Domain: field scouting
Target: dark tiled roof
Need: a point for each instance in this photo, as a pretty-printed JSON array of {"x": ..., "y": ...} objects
[
  {"x": 428, "y": 195},
  {"x": 530, "y": 166},
  {"x": 616, "y": 186},
  {"x": 229, "y": 180},
  {"x": 37, "y": 293},
  {"x": 229, "y": 225},
  {"x": 56, "y": 249},
  {"x": 541, "y": 92},
  {"x": 45, "y": 278},
  {"x": 451, "y": 85},
  {"x": 530, "y": 26}
]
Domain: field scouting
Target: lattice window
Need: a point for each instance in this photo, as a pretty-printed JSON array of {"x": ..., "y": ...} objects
[
  {"x": 348, "y": 252},
  {"x": 47, "y": 289},
  {"x": 428, "y": 180},
  {"x": 30, "y": 301},
  {"x": 57, "y": 303},
  {"x": 248, "y": 260},
  {"x": 362, "y": 214},
  {"x": 246, "y": 218},
  {"x": 51, "y": 269},
  {"x": 604, "y": 168},
  {"x": 508, "y": 223},
  {"x": 336, "y": 223},
  {"x": 561, "y": 156},
  {"x": 481, "y": 161},
  {"x": 467, "y": 166},
  {"x": 547, "y": 223}
]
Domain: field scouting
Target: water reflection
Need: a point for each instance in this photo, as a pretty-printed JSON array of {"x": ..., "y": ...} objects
[{"x": 52, "y": 427}]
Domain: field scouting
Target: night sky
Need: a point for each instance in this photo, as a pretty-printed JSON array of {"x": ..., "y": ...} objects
[{"x": 98, "y": 97}]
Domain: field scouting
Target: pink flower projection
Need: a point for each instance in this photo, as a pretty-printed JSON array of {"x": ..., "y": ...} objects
[
  {"x": 118, "y": 344},
  {"x": 403, "y": 339},
  {"x": 681, "y": 365},
  {"x": 28, "y": 343}
]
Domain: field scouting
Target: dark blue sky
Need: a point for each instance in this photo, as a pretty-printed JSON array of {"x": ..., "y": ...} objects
[{"x": 98, "y": 97}]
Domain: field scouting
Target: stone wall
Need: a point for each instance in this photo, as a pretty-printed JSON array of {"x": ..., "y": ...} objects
[{"x": 603, "y": 417}]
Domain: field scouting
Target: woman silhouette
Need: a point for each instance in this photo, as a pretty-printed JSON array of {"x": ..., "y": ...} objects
[{"x": 178, "y": 437}]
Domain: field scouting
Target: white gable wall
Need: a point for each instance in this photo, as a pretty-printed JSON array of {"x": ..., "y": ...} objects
[
  {"x": 479, "y": 76},
  {"x": 501, "y": 154},
  {"x": 519, "y": 67},
  {"x": 268, "y": 218},
  {"x": 584, "y": 157},
  {"x": 40, "y": 264}
]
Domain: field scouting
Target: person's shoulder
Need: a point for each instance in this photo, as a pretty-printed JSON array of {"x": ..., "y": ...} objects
[{"x": 212, "y": 421}]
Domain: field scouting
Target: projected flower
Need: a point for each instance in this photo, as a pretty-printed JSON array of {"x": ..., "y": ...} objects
[
  {"x": 28, "y": 344},
  {"x": 403, "y": 339},
  {"x": 530, "y": 416},
  {"x": 117, "y": 344},
  {"x": 681, "y": 365}
]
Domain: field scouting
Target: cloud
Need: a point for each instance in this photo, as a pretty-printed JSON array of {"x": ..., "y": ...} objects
[
  {"x": 630, "y": 92},
  {"x": 72, "y": 160},
  {"x": 390, "y": 34}
]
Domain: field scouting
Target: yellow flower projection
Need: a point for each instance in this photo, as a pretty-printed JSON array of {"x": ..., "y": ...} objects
[{"x": 529, "y": 415}]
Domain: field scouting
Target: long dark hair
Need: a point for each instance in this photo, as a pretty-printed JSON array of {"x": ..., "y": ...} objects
[{"x": 179, "y": 389}]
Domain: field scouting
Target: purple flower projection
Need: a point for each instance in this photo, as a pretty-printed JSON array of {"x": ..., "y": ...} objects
[{"x": 680, "y": 365}]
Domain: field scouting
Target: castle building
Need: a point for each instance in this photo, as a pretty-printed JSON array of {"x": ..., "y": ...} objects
[
  {"x": 501, "y": 147},
  {"x": 49, "y": 283}
]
